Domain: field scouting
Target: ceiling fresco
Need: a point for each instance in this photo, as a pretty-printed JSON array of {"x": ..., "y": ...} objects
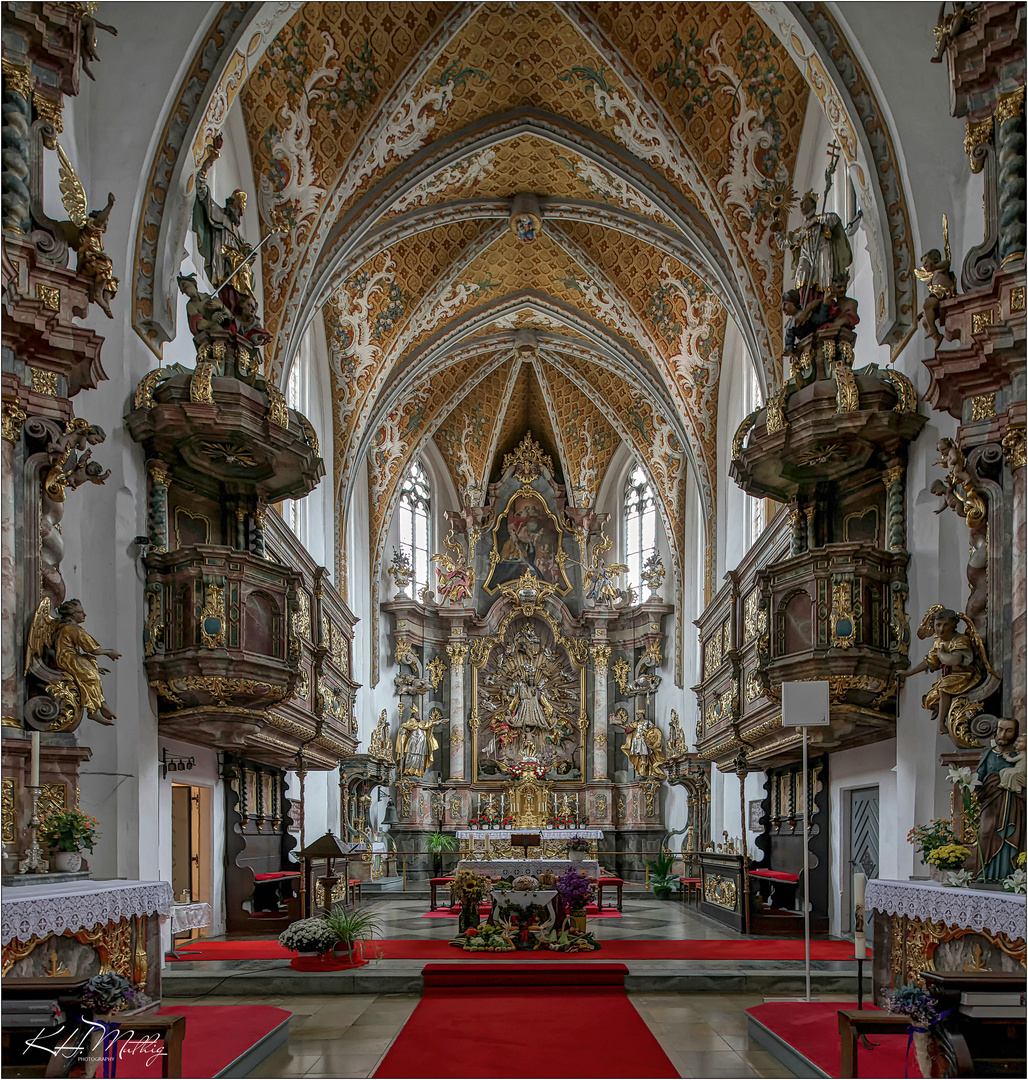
[{"x": 394, "y": 140}]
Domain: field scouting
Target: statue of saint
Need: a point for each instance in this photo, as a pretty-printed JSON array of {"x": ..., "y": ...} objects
[
  {"x": 820, "y": 250},
  {"x": 1001, "y": 799},
  {"x": 416, "y": 743},
  {"x": 644, "y": 745},
  {"x": 225, "y": 252},
  {"x": 530, "y": 710}
]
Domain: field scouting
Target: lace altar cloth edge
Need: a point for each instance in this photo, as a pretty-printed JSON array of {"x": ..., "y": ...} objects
[
  {"x": 42, "y": 910},
  {"x": 506, "y": 867},
  {"x": 976, "y": 909},
  {"x": 546, "y": 834},
  {"x": 191, "y": 916}
]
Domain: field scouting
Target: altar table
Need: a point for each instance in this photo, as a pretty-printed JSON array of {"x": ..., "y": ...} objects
[
  {"x": 925, "y": 926},
  {"x": 498, "y": 868},
  {"x": 545, "y": 834}
]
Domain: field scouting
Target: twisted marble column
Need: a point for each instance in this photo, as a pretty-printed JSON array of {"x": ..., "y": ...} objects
[{"x": 16, "y": 110}]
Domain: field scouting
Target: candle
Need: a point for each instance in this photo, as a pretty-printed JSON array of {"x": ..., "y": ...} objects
[
  {"x": 34, "y": 764},
  {"x": 503, "y": 799},
  {"x": 859, "y": 932}
]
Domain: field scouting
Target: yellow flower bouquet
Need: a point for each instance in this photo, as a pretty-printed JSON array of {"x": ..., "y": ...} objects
[{"x": 948, "y": 856}]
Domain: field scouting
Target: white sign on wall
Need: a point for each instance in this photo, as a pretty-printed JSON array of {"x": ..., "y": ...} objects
[{"x": 805, "y": 704}]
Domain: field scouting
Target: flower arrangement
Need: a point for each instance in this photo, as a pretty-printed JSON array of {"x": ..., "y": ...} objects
[
  {"x": 948, "y": 856},
  {"x": 110, "y": 993},
  {"x": 69, "y": 830},
  {"x": 966, "y": 780},
  {"x": 574, "y": 889},
  {"x": 529, "y": 767},
  {"x": 933, "y": 835},
  {"x": 915, "y": 1002},
  {"x": 1017, "y": 882},
  {"x": 566, "y": 821},
  {"x": 308, "y": 935},
  {"x": 1021, "y": 860},
  {"x": 578, "y": 843},
  {"x": 468, "y": 888}
]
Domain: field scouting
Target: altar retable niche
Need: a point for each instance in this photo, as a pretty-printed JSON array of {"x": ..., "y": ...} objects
[{"x": 534, "y": 670}]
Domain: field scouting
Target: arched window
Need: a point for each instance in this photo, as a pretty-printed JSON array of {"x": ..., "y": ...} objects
[
  {"x": 640, "y": 523},
  {"x": 756, "y": 517},
  {"x": 415, "y": 513},
  {"x": 298, "y": 397}
]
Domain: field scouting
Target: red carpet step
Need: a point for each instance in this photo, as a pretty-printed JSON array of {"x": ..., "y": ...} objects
[
  {"x": 640, "y": 949},
  {"x": 812, "y": 1029},
  {"x": 216, "y": 1036},
  {"x": 477, "y": 1021}
]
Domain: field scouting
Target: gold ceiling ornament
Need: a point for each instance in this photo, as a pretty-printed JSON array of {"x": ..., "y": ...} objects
[
  {"x": 528, "y": 459},
  {"x": 529, "y": 593}
]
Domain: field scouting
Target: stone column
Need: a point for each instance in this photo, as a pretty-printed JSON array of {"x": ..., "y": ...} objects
[
  {"x": 458, "y": 653},
  {"x": 13, "y": 417},
  {"x": 1014, "y": 445},
  {"x": 601, "y": 659}
]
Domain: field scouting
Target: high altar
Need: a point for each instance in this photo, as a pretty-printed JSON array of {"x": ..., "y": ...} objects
[{"x": 522, "y": 691}]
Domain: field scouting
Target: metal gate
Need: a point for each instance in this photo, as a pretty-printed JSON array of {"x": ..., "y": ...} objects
[{"x": 863, "y": 844}]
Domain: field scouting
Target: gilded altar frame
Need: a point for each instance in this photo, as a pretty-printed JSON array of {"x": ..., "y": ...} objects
[
  {"x": 577, "y": 650},
  {"x": 560, "y": 556}
]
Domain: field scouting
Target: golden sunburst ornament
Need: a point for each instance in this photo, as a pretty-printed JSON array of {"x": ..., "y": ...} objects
[{"x": 774, "y": 200}]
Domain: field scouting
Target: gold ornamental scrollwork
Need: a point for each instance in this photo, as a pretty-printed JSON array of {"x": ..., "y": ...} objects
[
  {"x": 720, "y": 891},
  {"x": 213, "y": 610},
  {"x": 650, "y": 788},
  {"x": 1013, "y": 444},
  {"x": 436, "y": 669},
  {"x": 9, "y": 815},
  {"x": 278, "y": 410},
  {"x": 528, "y": 460},
  {"x": 200, "y": 392},
  {"x": 19, "y": 79},
  {"x": 983, "y": 407},
  {"x": 458, "y": 654},
  {"x": 775, "y": 410},
  {"x": 978, "y": 133},
  {"x": 601, "y": 656},
  {"x": 621, "y": 671},
  {"x": 13, "y": 418},
  {"x": 1009, "y": 106},
  {"x": 404, "y": 652}
]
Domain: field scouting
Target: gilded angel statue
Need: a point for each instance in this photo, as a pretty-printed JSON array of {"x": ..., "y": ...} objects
[
  {"x": 599, "y": 581},
  {"x": 935, "y": 272},
  {"x": 75, "y": 653},
  {"x": 457, "y": 576},
  {"x": 84, "y": 232},
  {"x": 960, "y": 659}
]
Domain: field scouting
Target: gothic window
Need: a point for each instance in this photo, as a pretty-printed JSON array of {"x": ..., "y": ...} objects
[
  {"x": 297, "y": 397},
  {"x": 639, "y": 517},
  {"x": 414, "y": 512}
]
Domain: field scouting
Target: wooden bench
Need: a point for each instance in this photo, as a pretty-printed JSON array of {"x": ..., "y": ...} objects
[
  {"x": 690, "y": 888},
  {"x": 609, "y": 883}
]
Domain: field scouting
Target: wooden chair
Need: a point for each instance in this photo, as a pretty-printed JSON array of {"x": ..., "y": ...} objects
[
  {"x": 353, "y": 889},
  {"x": 609, "y": 883},
  {"x": 690, "y": 888}
]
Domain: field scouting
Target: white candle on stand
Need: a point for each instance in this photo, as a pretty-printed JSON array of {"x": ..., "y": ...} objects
[
  {"x": 34, "y": 762},
  {"x": 859, "y": 931}
]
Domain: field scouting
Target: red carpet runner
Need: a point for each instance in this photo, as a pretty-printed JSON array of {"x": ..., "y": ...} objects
[
  {"x": 813, "y": 1030},
  {"x": 215, "y": 1036},
  {"x": 508, "y": 1020},
  {"x": 437, "y": 949}
]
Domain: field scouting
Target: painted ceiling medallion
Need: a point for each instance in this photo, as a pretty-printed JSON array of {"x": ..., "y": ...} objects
[{"x": 526, "y": 221}]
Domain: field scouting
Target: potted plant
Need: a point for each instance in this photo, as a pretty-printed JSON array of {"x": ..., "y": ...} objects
[
  {"x": 949, "y": 859},
  {"x": 661, "y": 877},
  {"x": 308, "y": 937},
  {"x": 916, "y": 1003},
  {"x": 578, "y": 848},
  {"x": 350, "y": 928},
  {"x": 436, "y": 843},
  {"x": 67, "y": 832},
  {"x": 575, "y": 891}
]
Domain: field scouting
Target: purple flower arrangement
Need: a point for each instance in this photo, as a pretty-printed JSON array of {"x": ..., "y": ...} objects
[{"x": 574, "y": 889}]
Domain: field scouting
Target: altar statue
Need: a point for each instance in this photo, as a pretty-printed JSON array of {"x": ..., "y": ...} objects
[
  {"x": 644, "y": 745},
  {"x": 530, "y": 710},
  {"x": 960, "y": 658},
  {"x": 75, "y": 654},
  {"x": 1001, "y": 799},
  {"x": 416, "y": 743},
  {"x": 820, "y": 250}
]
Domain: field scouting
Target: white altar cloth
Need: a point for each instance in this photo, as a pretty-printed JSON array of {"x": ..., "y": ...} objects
[
  {"x": 497, "y": 868},
  {"x": 977, "y": 909},
  {"x": 546, "y": 834},
  {"x": 42, "y": 910}
]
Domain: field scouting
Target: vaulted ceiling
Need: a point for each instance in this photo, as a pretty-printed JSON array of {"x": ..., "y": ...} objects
[{"x": 394, "y": 138}]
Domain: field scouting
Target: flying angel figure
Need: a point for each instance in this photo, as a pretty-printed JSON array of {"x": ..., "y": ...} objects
[
  {"x": 84, "y": 232},
  {"x": 75, "y": 653},
  {"x": 935, "y": 272}
]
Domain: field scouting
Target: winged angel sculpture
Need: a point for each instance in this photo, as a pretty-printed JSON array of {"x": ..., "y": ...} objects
[
  {"x": 457, "y": 576},
  {"x": 74, "y": 653},
  {"x": 960, "y": 660},
  {"x": 935, "y": 272},
  {"x": 85, "y": 233}
]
